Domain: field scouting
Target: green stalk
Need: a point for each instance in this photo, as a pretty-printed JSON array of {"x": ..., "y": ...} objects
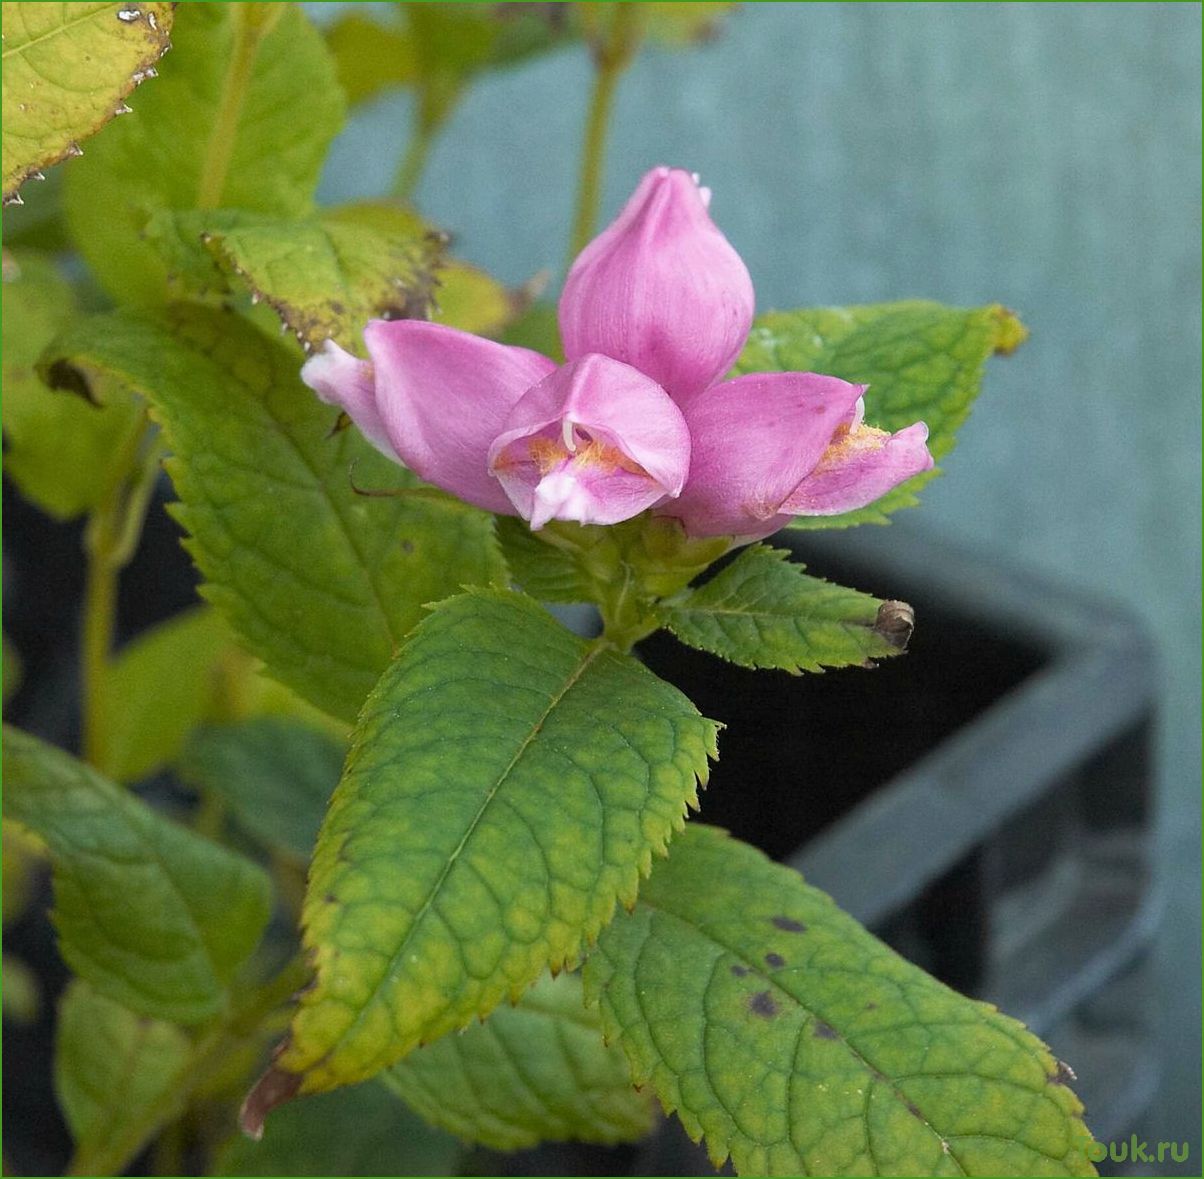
[
  {"x": 100, "y": 614},
  {"x": 409, "y": 173},
  {"x": 613, "y": 53},
  {"x": 114, "y": 528},
  {"x": 252, "y": 22}
]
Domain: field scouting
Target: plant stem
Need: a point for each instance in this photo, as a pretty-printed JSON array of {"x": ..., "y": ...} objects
[
  {"x": 208, "y": 1056},
  {"x": 414, "y": 160},
  {"x": 251, "y": 23},
  {"x": 109, "y": 541},
  {"x": 612, "y": 55},
  {"x": 100, "y": 614}
]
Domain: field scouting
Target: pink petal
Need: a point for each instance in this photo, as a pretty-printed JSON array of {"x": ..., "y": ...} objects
[
  {"x": 341, "y": 379},
  {"x": 661, "y": 289},
  {"x": 443, "y": 395},
  {"x": 860, "y": 468},
  {"x": 753, "y": 440},
  {"x": 596, "y": 442}
]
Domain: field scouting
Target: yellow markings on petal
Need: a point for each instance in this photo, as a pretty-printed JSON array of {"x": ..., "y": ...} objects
[
  {"x": 848, "y": 443},
  {"x": 549, "y": 453},
  {"x": 546, "y": 453}
]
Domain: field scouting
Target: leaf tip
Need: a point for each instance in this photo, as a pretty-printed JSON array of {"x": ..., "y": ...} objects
[
  {"x": 274, "y": 1088},
  {"x": 894, "y": 623},
  {"x": 1010, "y": 333}
]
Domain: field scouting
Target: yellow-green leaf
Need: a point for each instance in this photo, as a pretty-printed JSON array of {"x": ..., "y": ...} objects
[
  {"x": 508, "y": 784},
  {"x": 319, "y": 582},
  {"x": 240, "y": 118},
  {"x": 158, "y": 688},
  {"x": 62, "y": 450},
  {"x": 764, "y": 611},
  {"x": 68, "y": 69}
]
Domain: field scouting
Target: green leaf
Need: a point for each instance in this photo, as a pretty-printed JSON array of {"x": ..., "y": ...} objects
[
  {"x": 159, "y": 688},
  {"x": 681, "y": 24},
  {"x": 371, "y": 57},
  {"x": 320, "y": 583},
  {"x": 61, "y": 450},
  {"x": 276, "y": 773},
  {"x": 536, "y": 328},
  {"x": 154, "y": 917},
  {"x": 324, "y": 276},
  {"x": 472, "y": 300},
  {"x": 533, "y": 1072},
  {"x": 111, "y": 1066},
  {"x": 364, "y": 1130},
  {"x": 22, "y": 993},
  {"x": 796, "y": 1042},
  {"x": 438, "y": 49},
  {"x": 507, "y": 784},
  {"x": 68, "y": 69},
  {"x": 764, "y": 611},
  {"x": 545, "y": 571},
  {"x": 922, "y": 361},
  {"x": 240, "y": 118},
  {"x": 13, "y": 671},
  {"x": 22, "y": 858}
]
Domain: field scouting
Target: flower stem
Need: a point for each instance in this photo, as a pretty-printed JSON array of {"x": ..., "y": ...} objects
[
  {"x": 612, "y": 55},
  {"x": 112, "y": 535},
  {"x": 409, "y": 173},
  {"x": 100, "y": 614},
  {"x": 252, "y": 22}
]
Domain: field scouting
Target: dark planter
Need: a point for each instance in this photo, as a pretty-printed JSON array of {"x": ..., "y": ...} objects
[{"x": 983, "y": 803}]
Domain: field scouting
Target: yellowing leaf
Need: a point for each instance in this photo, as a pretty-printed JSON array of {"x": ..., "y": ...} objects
[
  {"x": 68, "y": 69},
  {"x": 508, "y": 784}
]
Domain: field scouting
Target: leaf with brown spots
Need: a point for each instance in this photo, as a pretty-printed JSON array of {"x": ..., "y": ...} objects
[
  {"x": 797, "y": 1043},
  {"x": 68, "y": 69}
]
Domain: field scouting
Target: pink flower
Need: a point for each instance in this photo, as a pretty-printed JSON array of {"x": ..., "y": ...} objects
[{"x": 654, "y": 312}]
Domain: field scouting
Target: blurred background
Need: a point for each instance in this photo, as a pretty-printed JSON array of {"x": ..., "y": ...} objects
[{"x": 1046, "y": 156}]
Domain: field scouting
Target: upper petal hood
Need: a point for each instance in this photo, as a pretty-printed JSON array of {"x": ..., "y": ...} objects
[
  {"x": 596, "y": 442},
  {"x": 753, "y": 440},
  {"x": 442, "y": 396},
  {"x": 660, "y": 289}
]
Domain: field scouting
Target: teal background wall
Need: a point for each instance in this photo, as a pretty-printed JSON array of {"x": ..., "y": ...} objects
[{"x": 1043, "y": 155}]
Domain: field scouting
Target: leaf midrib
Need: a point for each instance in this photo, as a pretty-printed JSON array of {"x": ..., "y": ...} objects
[
  {"x": 810, "y": 1013},
  {"x": 56, "y": 31},
  {"x": 387, "y": 975}
]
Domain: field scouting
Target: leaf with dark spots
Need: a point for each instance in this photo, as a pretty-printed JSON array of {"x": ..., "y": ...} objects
[
  {"x": 763, "y": 1004},
  {"x": 818, "y": 1069},
  {"x": 775, "y": 961},
  {"x": 738, "y": 970},
  {"x": 789, "y": 924}
]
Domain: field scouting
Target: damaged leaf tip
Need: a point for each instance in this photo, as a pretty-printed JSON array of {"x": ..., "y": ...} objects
[{"x": 273, "y": 1089}]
